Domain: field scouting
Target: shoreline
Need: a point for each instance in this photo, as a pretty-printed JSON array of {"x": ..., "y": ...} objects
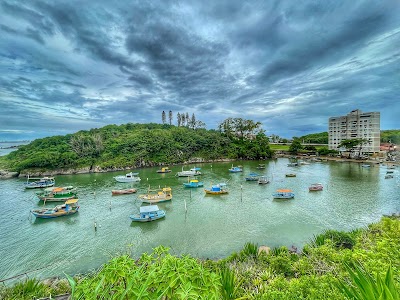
[{"x": 5, "y": 174}]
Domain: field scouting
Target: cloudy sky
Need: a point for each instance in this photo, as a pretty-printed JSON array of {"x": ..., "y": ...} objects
[{"x": 72, "y": 65}]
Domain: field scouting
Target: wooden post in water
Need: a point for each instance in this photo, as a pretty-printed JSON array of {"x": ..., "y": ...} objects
[{"x": 241, "y": 193}]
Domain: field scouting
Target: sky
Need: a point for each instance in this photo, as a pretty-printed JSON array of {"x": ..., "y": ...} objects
[{"x": 72, "y": 65}]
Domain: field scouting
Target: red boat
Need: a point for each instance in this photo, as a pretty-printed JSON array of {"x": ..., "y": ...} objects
[{"x": 123, "y": 192}]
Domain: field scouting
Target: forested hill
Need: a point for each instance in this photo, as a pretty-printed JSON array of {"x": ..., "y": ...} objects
[
  {"x": 392, "y": 136},
  {"x": 137, "y": 145}
]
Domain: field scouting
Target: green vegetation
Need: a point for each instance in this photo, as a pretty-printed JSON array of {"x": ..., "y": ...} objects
[
  {"x": 315, "y": 138},
  {"x": 137, "y": 145},
  {"x": 390, "y": 136},
  {"x": 334, "y": 265}
]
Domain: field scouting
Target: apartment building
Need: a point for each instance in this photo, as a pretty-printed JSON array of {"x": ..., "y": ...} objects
[{"x": 356, "y": 125}]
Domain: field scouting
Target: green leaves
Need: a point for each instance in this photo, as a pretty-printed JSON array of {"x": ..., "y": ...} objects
[{"x": 366, "y": 287}]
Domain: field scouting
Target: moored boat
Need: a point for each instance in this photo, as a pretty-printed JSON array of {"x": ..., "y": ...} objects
[
  {"x": 235, "y": 169},
  {"x": 43, "y": 182},
  {"x": 283, "y": 194},
  {"x": 54, "y": 194},
  {"x": 157, "y": 195},
  {"x": 193, "y": 183},
  {"x": 290, "y": 175},
  {"x": 148, "y": 214},
  {"x": 388, "y": 176},
  {"x": 261, "y": 166},
  {"x": 164, "y": 170},
  {"x": 192, "y": 172},
  {"x": 252, "y": 177},
  {"x": 293, "y": 164},
  {"x": 316, "y": 187},
  {"x": 68, "y": 208},
  {"x": 130, "y": 177},
  {"x": 217, "y": 189},
  {"x": 366, "y": 166},
  {"x": 123, "y": 192},
  {"x": 263, "y": 180}
]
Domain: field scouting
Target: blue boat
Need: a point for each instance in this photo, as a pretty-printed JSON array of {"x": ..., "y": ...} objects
[
  {"x": 218, "y": 189},
  {"x": 148, "y": 214},
  {"x": 283, "y": 194},
  {"x": 39, "y": 182},
  {"x": 235, "y": 169},
  {"x": 252, "y": 177},
  {"x": 193, "y": 183}
]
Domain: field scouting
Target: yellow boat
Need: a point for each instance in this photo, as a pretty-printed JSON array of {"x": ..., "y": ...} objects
[{"x": 158, "y": 195}]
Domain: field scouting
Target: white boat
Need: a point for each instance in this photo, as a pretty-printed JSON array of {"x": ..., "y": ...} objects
[
  {"x": 39, "y": 182},
  {"x": 148, "y": 214},
  {"x": 130, "y": 177},
  {"x": 192, "y": 172},
  {"x": 263, "y": 180}
]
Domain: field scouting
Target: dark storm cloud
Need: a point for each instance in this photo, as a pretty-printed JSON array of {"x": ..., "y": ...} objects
[{"x": 290, "y": 66}]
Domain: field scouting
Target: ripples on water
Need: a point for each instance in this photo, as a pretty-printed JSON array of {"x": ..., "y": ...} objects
[{"x": 213, "y": 227}]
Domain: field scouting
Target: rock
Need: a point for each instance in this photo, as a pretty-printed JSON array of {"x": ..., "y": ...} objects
[
  {"x": 265, "y": 249},
  {"x": 6, "y": 174}
]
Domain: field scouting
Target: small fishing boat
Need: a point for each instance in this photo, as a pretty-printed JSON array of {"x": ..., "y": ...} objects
[
  {"x": 157, "y": 195},
  {"x": 390, "y": 172},
  {"x": 388, "y": 176},
  {"x": 290, "y": 175},
  {"x": 263, "y": 180},
  {"x": 315, "y": 187},
  {"x": 365, "y": 166},
  {"x": 43, "y": 182},
  {"x": 261, "y": 166},
  {"x": 293, "y": 164},
  {"x": 130, "y": 177},
  {"x": 193, "y": 183},
  {"x": 164, "y": 170},
  {"x": 68, "y": 208},
  {"x": 54, "y": 194},
  {"x": 235, "y": 169},
  {"x": 217, "y": 189},
  {"x": 123, "y": 192},
  {"x": 283, "y": 194},
  {"x": 148, "y": 214},
  {"x": 192, "y": 172},
  {"x": 252, "y": 177}
]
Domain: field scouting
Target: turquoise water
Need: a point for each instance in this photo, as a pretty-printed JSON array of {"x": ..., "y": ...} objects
[{"x": 213, "y": 227}]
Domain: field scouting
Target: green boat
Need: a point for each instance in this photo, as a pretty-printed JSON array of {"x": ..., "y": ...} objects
[{"x": 58, "y": 194}]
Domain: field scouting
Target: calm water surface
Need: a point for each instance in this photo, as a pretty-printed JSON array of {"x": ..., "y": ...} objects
[{"x": 213, "y": 227}]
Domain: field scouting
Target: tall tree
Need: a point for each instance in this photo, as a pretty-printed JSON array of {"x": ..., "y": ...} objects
[
  {"x": 170, "y": 117},
  {"x": 351, "y": 144},
  {"x": 187, "y": 119},
  {"x": 183, "y": 119},
  {"x": 178, "y": 118},
  {"x": 193, "y": 121},
  {"x": 163, "y": 117}
]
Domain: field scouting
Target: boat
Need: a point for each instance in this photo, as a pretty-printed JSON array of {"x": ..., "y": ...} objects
[
  {"x": 192, "y": 172},
  {"x": 365, "y": 166},
  {"x": 388, "y": 176},
  {"x": 68, "y": 208},
  {"x": 261, "y": 166},
  {"x": 130, "y": 177},
  {"x": 263, "y": 180},
  {"x": 43, "y": 182},
  {"x": 148, "y": 214},
  {"x": 235, "y": 169},
  {"x": 123, "y": 192},
  {"x": 164, "y": 170},
  {"x": 217, "y": 189},
  {"x": 157, "y": 195},
  {"x": 55, "y": 194},
  {"x": 316, "y": 187},
  {"x": 290, "y": 175},
  {"x": 389, "y": 172},
  {"x": 283, "y": 194},
  {"x": 293, "y": 164},
  {"x": 252, "y": 177},
  {"x": 193, "y": 183}
]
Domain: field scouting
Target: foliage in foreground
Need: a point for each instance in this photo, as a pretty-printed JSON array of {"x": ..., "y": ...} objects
[{"x": 335, "y": 265}]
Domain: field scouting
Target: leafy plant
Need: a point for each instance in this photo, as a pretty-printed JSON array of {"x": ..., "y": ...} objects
[{"x": 366, "y": 287}]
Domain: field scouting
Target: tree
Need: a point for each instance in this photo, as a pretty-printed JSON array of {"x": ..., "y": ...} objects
[
  {"x": 295, "y": 146},
  {"x": 183, "y": 119},
  {"x": 351, "y": 144},
  {"x": 170, "y": 117},
  {"x": 179, "y": 119},
  {"x": 240, "y": 128},
  {"x": 193, "y": 121},
  {"x": 163, "y": 117}
]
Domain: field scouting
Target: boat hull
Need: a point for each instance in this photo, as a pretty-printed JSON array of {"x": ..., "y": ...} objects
[
  {"x": 57, "y": 199},
  {"x": 137, "y": 218},
  {"x": 281, "y": 196},
  {"x": 208, "y": 192},
  {"x": 123, "y": 192},
  {"x": 44, "y": 215}
]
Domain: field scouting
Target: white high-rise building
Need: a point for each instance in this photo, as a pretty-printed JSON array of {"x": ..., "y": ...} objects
[{"x": 356, "y": 125}]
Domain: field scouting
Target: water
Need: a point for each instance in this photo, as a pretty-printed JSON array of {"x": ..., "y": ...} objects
[
  {"x": 5, "y": 146},
  {"x": 213, "y": 227}
]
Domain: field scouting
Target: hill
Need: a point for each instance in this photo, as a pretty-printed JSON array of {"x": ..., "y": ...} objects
[{"x": 132, "y": 146}]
